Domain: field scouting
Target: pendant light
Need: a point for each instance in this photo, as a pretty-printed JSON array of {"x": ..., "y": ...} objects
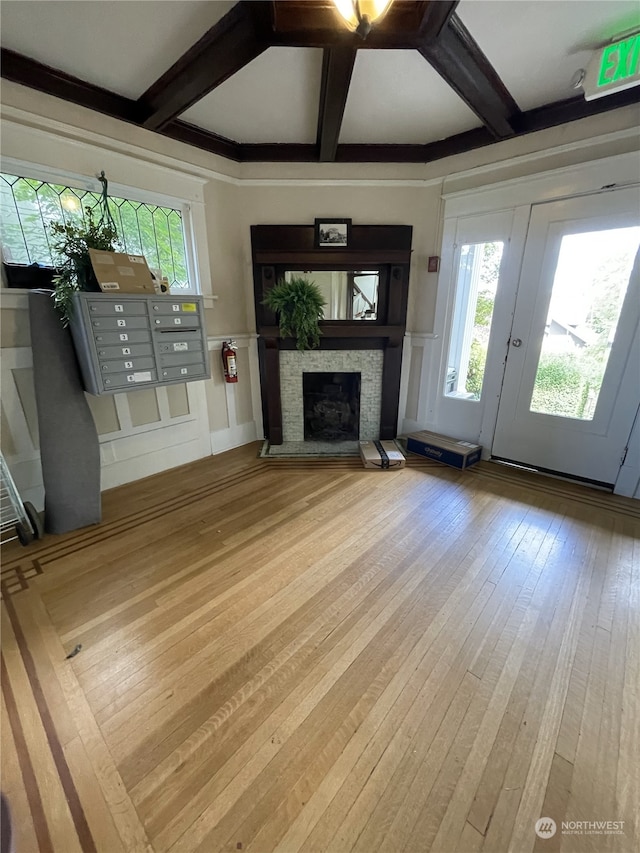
[{"x": 361, "y": 15}]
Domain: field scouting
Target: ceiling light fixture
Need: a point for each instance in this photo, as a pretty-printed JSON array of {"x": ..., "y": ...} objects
[{"x": 361, "y": 15}]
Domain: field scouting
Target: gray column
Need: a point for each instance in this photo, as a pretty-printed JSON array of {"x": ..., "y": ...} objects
[{"x": 69, "y": 449}]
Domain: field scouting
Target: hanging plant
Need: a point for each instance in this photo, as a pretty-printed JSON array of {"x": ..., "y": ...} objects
[
  {"x": 298, "y": 304},
  {"x": 72, "y": 243}
]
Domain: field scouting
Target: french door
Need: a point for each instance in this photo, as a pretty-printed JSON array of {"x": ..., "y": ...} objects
[{"x": 572, "y": 376}]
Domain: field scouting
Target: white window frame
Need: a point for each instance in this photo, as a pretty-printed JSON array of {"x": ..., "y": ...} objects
[{"x": 12, "y": 166}]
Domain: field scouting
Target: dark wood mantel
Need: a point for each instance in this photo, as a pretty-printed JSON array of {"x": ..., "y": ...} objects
[{"x": 276, "y": 248}]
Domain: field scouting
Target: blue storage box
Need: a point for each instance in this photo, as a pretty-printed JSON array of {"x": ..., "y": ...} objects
[{"x": 458, "y": 454}]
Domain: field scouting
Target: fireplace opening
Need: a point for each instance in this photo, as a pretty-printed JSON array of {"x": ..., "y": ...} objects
[{"x": 331, "y": 406}]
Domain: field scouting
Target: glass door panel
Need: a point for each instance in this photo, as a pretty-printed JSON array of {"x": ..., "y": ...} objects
[
  {"x": 589, "y": 287},
  {"x": 570, "y": 389},
  {"x": 476, "y": 286}
]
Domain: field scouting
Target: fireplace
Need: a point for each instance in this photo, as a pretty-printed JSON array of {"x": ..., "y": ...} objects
[
  {"x": 331, "y": 406},
  {"x": 371, "y": 348},
  {"x": 365, "y": 365}
]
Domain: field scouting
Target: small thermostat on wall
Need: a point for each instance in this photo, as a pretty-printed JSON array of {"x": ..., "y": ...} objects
[{"x": 434, "y": 263}]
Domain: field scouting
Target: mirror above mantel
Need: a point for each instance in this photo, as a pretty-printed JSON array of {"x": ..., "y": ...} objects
[{"x": 348, "y": 294}]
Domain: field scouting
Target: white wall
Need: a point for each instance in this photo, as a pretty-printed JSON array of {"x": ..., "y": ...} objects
[{"x": 138, "y": 438}]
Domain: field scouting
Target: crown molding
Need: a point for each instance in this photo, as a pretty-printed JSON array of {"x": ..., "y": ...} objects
[{"x": 46, "y": 129}]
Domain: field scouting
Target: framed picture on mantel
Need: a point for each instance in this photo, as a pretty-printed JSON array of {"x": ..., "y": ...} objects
[{"x": 332, "y": 233}]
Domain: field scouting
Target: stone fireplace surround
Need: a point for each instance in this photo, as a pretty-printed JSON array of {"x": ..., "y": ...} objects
[
  {"x": 366, "y": 362},
  {"x": 372, "y": 347}
]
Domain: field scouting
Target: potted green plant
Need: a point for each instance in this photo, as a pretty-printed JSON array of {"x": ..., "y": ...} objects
[
  {"x": 298, "y": 304},
  {"x": 72, "y": 244}
]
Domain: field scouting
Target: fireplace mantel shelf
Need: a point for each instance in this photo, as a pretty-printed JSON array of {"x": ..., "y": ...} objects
[{"x": 344, "y": 330}]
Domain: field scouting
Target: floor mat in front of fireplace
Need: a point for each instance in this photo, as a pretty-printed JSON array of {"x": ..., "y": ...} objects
[{"x": 297, "y": 449}]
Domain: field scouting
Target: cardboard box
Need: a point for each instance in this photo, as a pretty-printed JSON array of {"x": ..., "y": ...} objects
[
  {"x": 382, "y": 455},
  {"x": 459, "y": 454},
  {"x": 121, "y": 273}
]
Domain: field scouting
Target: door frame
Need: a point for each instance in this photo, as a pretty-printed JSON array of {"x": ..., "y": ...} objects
[
  {"x": 517, "y": 195},
  {"x": 567, "y": 440},
  {"x": 465, "y": 419}
]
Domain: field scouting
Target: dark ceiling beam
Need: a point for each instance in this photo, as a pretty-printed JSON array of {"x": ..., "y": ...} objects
[
  {"x": 459, "y": 61},
  {"x": 436, "y": 16},
  {"x": 368, "y": 153},
  {"x": 28, "y": 72},
  {"x": 573, "y": 109},
  {"x": 458, "y": 144},
  {"x": 337, "y": 67},
  {"x": 277, "y": 152},
  {"x": 376, "y": 40},
  {"x": 237, "y": 39},
  {"x": 182, "y": 131}
]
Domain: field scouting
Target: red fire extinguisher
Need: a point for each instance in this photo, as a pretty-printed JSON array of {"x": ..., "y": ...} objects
[{"x": 229, "y": 362}]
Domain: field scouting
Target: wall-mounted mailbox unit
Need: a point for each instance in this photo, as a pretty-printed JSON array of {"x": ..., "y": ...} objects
[{"x": 128, "y": 341}]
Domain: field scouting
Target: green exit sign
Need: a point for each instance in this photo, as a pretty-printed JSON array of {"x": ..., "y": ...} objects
[{"x": 613, "y": 68}]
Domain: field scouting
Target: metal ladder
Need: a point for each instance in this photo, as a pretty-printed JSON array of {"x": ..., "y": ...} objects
[{"x": 18, "y": 520}]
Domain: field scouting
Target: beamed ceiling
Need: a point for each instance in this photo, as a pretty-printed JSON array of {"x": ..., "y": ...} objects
[{"x": 286, "y": 81}]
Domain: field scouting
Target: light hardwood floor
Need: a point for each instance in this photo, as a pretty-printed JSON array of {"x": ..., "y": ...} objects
[{"x": 306, "y": 656}]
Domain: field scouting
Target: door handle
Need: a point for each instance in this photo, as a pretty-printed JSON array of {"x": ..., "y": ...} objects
[{"x": 516, "y": 342}]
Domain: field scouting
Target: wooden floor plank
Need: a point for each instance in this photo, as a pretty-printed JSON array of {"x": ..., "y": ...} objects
[
  {"x": 628, "y": 770},
  {"x": 99, "y": 816},
  {"x": 555, "y": 803},
  {"x": 296, "y": 656},
  {"x": 24, "y": 813},
  {"x": 531, "y": 759},
  {"x": 19, "y": 688},
  {"x": 101, "y": 764}
]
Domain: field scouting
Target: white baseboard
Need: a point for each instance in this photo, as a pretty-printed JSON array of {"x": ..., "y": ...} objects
[
  {"x": 128, "y": 470},
  {"x": 227, "y": 439}
]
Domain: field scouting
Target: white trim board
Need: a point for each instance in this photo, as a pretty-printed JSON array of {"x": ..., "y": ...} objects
[
  {"x": 532, "y": 157},
  {"x": 51, "y": 128},
  {"x": 552, "y": 185},
  {"x": 18, "y": 297},
  {"x": 421, "y": 336},
  {"x": 190, "y": 189}
]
